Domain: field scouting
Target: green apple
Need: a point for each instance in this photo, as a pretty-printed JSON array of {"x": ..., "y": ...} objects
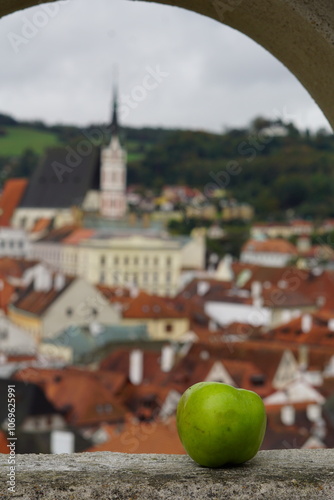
[{"x": 219, "y": 424}]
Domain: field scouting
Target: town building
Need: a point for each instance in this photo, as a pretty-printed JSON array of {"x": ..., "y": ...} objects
[
  {"x": 14, "y": 243},
  {"x": 297, "y": 227},
  {"x": 275, "y": 252},
  {"x": 84, "y": 175},
  {"x": 149, "y": 261},
  {"x": 53, "y": 301}
]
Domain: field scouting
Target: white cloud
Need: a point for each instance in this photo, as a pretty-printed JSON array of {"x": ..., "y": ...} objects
[{"x": 217, "y": 76}]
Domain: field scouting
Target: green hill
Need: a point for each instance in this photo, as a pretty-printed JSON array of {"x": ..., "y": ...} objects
[
  {"x": 15, "y": 140},
  {"x": 291, "y": 171}
]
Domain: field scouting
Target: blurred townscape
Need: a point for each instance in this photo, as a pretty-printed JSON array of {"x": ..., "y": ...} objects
[{"x": 135, "y": 263}]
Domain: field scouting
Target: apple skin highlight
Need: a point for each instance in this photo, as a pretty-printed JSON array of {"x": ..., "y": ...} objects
[{"x": 220, "y": 425}]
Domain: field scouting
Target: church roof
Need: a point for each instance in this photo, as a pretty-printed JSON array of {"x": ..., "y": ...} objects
[{"x": 58, "y": 183}]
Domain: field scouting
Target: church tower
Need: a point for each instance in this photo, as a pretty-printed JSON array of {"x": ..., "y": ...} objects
[{"x": 113, "y": 173}]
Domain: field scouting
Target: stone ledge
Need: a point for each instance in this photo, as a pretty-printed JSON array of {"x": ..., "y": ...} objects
[{"x": 283, "y": 474}]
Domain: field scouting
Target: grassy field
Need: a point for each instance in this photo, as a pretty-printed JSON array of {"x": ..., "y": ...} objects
[{"x": 18, "y": 139}]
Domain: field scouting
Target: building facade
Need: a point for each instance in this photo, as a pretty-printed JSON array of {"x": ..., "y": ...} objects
[{"x": 113, "y": 203}]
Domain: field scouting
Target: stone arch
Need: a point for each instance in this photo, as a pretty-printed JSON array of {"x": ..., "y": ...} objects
[{"x": 299, "y": 33}]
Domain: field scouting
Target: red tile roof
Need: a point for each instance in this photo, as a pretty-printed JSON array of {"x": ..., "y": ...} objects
[
  {"x": 10, "y": 267},
  {"x": 144, "y": 437},
  {"x": 10, "y": 198},
  {"x": 3, "y": 443},
  {"x": 281, "y": 436},
  {"x": 60, "y": 233},
  {"x": 85, "y": 397},
  {"x": 146, "y": 306},
  {"x": 119, "y": 362},
  {"x": 6, "y": 294},
  {"x": 275, "y": 245},
  {"x": 78, "y": 235},
  {"x": 41, "y": 225},
  {"x": 310, "y": 285},
  {"x": 115, "y": 294},
  {"x": 319, "y": 334},
  {"x": 36, "y": 303},
  {"x": 241, "y": 365}
]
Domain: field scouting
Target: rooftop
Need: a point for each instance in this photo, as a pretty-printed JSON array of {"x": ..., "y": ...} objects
[{"x": 10, "y": 198}]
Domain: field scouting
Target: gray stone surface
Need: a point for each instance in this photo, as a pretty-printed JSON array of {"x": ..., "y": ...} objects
[{"x": 284, "y": 474}]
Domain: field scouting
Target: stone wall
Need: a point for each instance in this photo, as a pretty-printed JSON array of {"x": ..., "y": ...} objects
[{"x": 284, "y": 474}]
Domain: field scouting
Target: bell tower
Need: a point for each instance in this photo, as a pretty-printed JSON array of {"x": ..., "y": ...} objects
[{"x": 113, "y": 172}]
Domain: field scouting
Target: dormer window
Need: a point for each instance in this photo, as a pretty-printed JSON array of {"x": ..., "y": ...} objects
[
  {"x": 69, "y": 311},
  {"x": 258, "y": 379}
]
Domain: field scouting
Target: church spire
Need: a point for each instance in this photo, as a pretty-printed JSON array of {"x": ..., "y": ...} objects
[{"x": 114, "y": 121}]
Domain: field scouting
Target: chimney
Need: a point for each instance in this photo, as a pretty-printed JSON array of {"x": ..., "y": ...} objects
[
  {"x": 134, "y": 291},
  {"x": 59, "y": 282},
  {"x": 42, "y": 279},
  {"x": 303, "y": 357},
  {"x": 330, "y": 325},
  {"x": 313, "y": 412},
  {"x": 306, "y": 323},
  {"x": 288, "y": 415},
  {"x": 225, "y": 271},
  {"x": 202, "y": 288},
  {"x": 167, "y": 358},
  {"x": 256, "y": 290},
  {"x": 3, "y": 358},
  {"x": 213, "y": 327},
  {"x": 136, "y": 366},
  {"x": 95, "y": 328}
]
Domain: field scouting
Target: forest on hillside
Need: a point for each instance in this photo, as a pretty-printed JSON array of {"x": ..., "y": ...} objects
[{"x": 276, "y": 173}]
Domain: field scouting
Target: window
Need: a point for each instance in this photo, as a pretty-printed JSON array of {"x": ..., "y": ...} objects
[
  {"x": 108, "y": 408},
  {"x": 3, "y": 334},
  {"x": 168, "y": 277},
  {"x": 168, "y": 328},
  {"x": 168, "y": 261},
  {"x": 156, "y": 261},
  {"x": 102, "y": 260},
  {"x": 126, "y": 261},
  {"x": 258, "y": 379},
  {"x": 155, "y": 277},
  {"x": 116, "y": 261},
  {"x": 135, "y": 261},
  {"x": 146, "y": 261},
  {"x": 102, "y": 277},
  {"x": 69, "y": 311}
]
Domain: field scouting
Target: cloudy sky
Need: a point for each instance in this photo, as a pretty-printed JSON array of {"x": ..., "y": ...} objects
[{"x": 176, "y": 69}]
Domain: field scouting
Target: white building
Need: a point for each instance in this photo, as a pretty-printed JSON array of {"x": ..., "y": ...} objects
[
  {"x": 271, "y": 253},
  {"x": 149, "y": 262},
  {"x": 15, "y": 340},
  {"x": 13, "y": 242}
]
